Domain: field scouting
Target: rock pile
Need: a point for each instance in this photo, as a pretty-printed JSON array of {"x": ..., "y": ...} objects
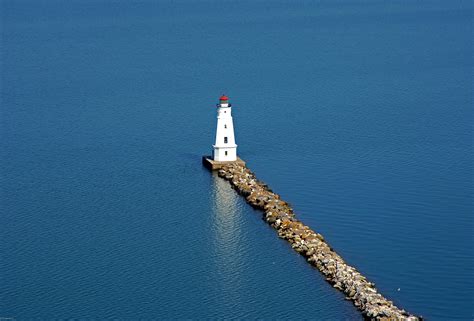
[{"x": 312, "y": 246}]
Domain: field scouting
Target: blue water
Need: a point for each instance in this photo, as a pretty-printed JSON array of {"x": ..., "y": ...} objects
[{"x": 359, "y": 113}]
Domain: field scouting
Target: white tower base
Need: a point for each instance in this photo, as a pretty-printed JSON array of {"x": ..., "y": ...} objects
[{"x": 224, "y": 154}]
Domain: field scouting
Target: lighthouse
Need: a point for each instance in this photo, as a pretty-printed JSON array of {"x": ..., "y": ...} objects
[{"x": 224, "y": 148}]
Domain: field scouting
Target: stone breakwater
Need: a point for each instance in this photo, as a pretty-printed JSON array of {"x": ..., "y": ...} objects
[{"x": 312, "y": 246}]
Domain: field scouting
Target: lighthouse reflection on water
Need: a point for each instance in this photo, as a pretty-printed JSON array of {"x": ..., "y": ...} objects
[{"x": 228, "y": 256}]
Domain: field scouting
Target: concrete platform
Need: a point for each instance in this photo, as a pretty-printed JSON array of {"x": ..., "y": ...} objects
[{"x": 215, "y": 165}]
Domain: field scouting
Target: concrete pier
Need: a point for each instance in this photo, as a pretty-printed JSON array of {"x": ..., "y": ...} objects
[
  {"x": 215, "y": 165},
  {"x": 309, "y": 243}
]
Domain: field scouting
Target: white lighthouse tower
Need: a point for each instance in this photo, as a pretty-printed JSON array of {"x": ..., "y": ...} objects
[{"x": 225, "y": 149}]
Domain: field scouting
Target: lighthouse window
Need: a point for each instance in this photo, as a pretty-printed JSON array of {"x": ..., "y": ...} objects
[
  {"x": 225, "y": 140},
  {"x": 225, "y": 153}
]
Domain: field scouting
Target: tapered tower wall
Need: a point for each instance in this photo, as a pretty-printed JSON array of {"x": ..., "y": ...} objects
[{"x": 224, "y": 148}]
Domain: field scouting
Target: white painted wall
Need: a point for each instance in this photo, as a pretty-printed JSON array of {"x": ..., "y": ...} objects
[{"x": 225, "y": 128}]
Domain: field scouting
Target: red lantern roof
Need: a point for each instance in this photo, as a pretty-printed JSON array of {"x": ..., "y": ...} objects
[{"x": 224, "y": 97}]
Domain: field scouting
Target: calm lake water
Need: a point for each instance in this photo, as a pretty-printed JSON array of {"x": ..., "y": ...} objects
[{"x": 359, "y": 113}]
